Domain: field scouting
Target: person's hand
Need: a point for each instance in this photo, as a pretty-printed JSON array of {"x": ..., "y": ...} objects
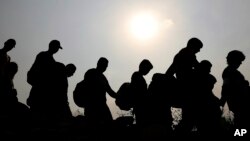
[{"x": 222, "y": 108}]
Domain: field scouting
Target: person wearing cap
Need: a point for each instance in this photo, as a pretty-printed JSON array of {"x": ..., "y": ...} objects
[
  {"x": 42, "y": 63},
  {"x": 39, "y": 77}
]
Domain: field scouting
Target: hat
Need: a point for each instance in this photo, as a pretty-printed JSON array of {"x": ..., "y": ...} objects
[{"x": 55, "y": 43}]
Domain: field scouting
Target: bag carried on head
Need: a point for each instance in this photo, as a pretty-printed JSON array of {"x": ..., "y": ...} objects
[{"x": 125, "y": 98}]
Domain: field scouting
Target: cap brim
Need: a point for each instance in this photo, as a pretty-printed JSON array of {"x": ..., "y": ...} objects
[{"x": 60, "y": 47}]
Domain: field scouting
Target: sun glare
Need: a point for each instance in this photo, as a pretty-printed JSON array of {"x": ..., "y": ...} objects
[{"x": 144, "y": 26}]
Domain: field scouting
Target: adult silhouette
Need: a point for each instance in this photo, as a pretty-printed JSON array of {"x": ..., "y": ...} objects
[
  {"x": 7, "y": 72},
  {"x": 39, "y": 77},
  {"x": 139, "y": 88},
  {"x": 235, "y": 89},
  {"x": 183, "y": 68},
  {"x": 206, "y": 105},
  {"x": 58, "y": 100},
  {"x": 14, "y": 115},
  {"x": 96, "y": 109},
  {"x": 4, "y": 57},
  {"x": 8, "y": 92},
  {"x": 5, "y": 77},
  {"x": 159, "y": 103}
]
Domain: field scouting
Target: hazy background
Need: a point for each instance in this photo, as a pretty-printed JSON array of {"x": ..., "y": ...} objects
[{"x": 90, "y": 29}]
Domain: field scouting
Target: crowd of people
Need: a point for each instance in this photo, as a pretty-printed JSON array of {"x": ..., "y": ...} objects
[{"x": 186, "y": 84}]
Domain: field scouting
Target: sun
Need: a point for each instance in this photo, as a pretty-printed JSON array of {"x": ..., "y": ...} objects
[{"x": 144, "y": 26}]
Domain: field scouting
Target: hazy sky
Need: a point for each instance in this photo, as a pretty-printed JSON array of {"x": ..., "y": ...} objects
[{"x": 90, "y": 29}]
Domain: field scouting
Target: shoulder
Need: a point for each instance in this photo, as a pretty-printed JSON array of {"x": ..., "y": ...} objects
[
  {"x": 136, "y": 76},
  {"x": 41, "y": 54},
  {"x": 89, "y": 73},
  {"x": 184, "y": 54},
  {"x": 229, "y": 72},
  {"x": 60, "y": 64},
  {"x": 93, "y": 70}
]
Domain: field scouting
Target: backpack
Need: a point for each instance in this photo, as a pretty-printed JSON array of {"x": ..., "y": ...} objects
[
  {"x": 125, "y": 99},
  {"x": 80, "y": 94}
]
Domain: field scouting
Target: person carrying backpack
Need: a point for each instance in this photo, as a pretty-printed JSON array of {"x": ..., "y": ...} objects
[{"x": 93, "y": 90}]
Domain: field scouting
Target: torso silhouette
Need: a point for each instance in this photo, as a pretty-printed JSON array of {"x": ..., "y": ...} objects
[
  {"x": 96, "y": 108},
  {"x": 4, "y": 60},
  {"x": 206, "y": 105},
  {"x": 183, "y": 67},
  {"x": 139, "y": 86},
  {"x": 160, "y": 97},
  {"x": 183, "y": 64},
  {"x": 40, "y": 76},
  {"x": 58, "y": 98},
  {"x": 234, "y": 89}
]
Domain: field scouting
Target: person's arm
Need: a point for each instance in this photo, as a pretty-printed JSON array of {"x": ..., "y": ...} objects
[
  {"x": 223, "y": 98},
  {"x": 110, "y": 90},
  {"x": 171, "y": 70},
  {"x": 196, "y": 63},
  {"x": 225, "y": 91},
  {"x": 32, "y": 73}
]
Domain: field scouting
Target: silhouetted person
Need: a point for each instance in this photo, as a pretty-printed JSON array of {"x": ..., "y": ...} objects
[
  {"x": 70, "y": 69},
  {"x": 97, "y": 110},
  {"x": 160, "y": 92},
  {"x": 8, "y": 92},
  {"x": 183, "y": 68},
  {"x": 139, "y": 87},
  {"x": 13, "y": 114},
  {"x": 58, "y": 100},
  {"x": 235, "y": 90},
  {"x": 7, "y": 71},
  {"x": 205, "y": 103},
  {"x": 4, "y": 57},
  {"x": 39, "y": 77}
]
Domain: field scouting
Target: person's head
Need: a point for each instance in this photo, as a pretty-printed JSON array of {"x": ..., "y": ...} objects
[
  {"x": 145, "y": 66},
  {"x": 194, "y": 44},
  {"x": 235, "y": 58},
  {"x": 9, "y": 44},
  {"x": 205, "y": 66},
  {"x": 54, "y": 46},
  {"x": 102, "y": 64},
  {"x": 70, "y": 69}
]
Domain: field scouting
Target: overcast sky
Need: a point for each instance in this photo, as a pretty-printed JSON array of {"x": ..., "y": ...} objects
[{"x": 90, "y": 29}]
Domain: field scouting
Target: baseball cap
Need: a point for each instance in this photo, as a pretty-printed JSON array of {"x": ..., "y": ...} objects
[{"x": 55, "y": 43}]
